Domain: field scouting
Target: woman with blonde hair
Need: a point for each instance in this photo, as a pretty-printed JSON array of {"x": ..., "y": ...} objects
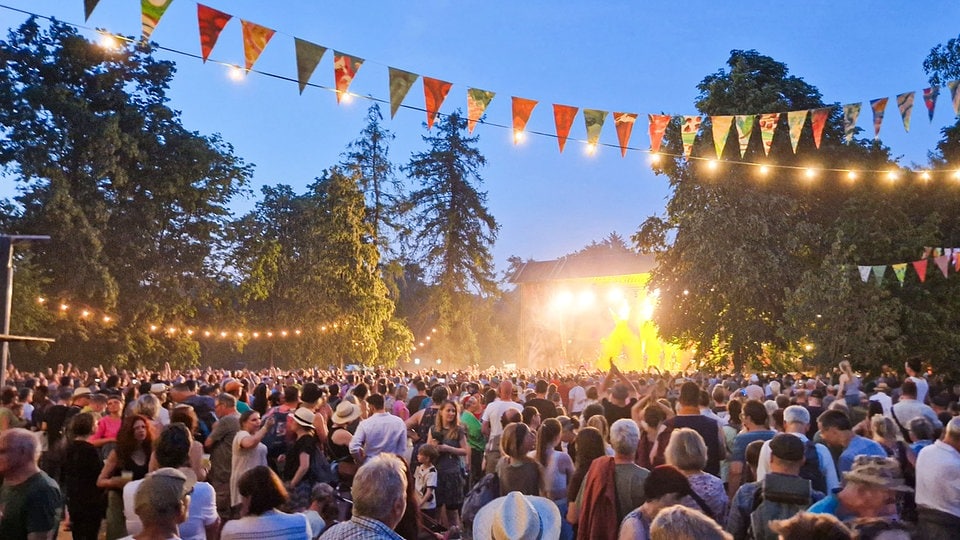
[
  {"x": 849, "y": 387},
  {"x": 687, "y": 451},
  {"x": 598, "y": 422},
  {"x": 681, "y": 523}
]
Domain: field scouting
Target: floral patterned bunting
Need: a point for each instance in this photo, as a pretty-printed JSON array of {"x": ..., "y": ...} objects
[
  {"x": 768, "y": 126},
  {"x": 921, "y": 269},
  {"x": 658, "y": 126},
  {"x": 796, "y": 120},
  {"x": 900, "y": 270},
  {"x": 744, "y": 130},
  {"x": 308, "y": 57},
  {"x": 477, "y": 101},
  {"x": 593, "y": 120},
  {"x": 878, "y": 106},
  {"x": 818, "y": 120},
  {"x": 688, "y": 132},
  {"x": 211, "y": 22},
  {"x": 563, "y": 116},
  {"x": 151, "y": 11},
  {"x": 930, "y": 99},
  {"x": 624, "y": 123},
  {"x": 905, "y": 105},
  {"x": 434, "y": 92},
  {"x": 522, "y": 108},
  {"x": 850, "y": 113},
  {"x": 400, "y": 83},
  {"x": 88, "y": 7},
  {"x": 721, "y": 130},
  {"x": 345, "y": 68},
  {"x": 255, "y": 39}
]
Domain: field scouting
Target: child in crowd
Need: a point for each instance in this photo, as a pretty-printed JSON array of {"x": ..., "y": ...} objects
[{"x": 425, "y": 479}]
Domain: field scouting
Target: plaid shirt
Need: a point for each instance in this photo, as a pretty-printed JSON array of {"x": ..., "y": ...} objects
[{"x": 361, "y": 528}]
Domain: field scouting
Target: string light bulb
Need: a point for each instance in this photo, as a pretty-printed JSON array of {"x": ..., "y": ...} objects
[
  {"x": 109, "y": 41},
  {"x": 764, "y": 170},
  {"x": 810, "y": 173},
  {"x": 519, "y": 136},
  {"x": 235, "y": 73},
  {"x": 591, "y": 149},
  {"x": 851, "y": 175},
  {"x": 107, "y": 318},
  {"x": 892, "y": 176},
  {"x": 712, "y": 164},
  {"x": 41, "y": 300},
  {"x": 655, "y": 158},
  {"x": 925, "y": 176},
  {"x": 64, "y": 307}
]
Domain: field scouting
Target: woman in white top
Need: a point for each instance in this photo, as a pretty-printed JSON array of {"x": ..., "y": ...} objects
[
  {"x": 557, "y": 467},
  {"x": 248, "y": 451},
  {"x": 262, "y": 494}
]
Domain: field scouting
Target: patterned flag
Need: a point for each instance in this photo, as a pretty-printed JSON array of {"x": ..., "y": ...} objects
[
  {"x": 921, "y": 268},
  {"x": 956, "y": 259},
  {"x": 563, "y": 116},
  {"x": 721, "y": 130},
  {"x": 624, "y": 123},
  {"x": 905, "y": 104},
  {"x": 744, "y": 129},
  {"x": 900, "y": 270},
  {"x": 308, "y": 56},
  {"x": 768, "y": 126},
  {"x": 150, "y": 13},
  {"x": 434, "y": 92},
  {"x": 864, "y": 273},
  {"x": 955, "y": 95},
  {"x": 345, "y": 68},
  {"x": 878, "y": 272},
  {"x": 930, "y": 99},
  {"x": 522, "y": 108},
  {"x": 688, "y": 132},
  {"x": 88, "y": 7},
  {"x": 255, "y": 39},
  {"x": 211, "y": 23},
  {"x": 477, "y": 101},
  {"x": 400, "y": 83},
  {"x": 658, "y": 126},
  {"x": 796, "y": 120},
  {"x": 850, "y": 113},
  {"x": 879, "y": 106},
  {"x": 593, "y": 120},
  {"x": 943, "y": 263},
  {"x": 818, "y": 120}
]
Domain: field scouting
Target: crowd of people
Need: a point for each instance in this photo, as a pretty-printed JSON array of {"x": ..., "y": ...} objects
[{"x": 381, "y": 453}]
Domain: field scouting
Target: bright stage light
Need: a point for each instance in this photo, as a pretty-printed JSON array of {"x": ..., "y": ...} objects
[
  {"x": 563, "y": 300},
  {"x": 615, "y": 295},
  {"x": 586, "y": 299},
  {"x": 646, "y": 311},
  {"x": 624, "y": 310}
]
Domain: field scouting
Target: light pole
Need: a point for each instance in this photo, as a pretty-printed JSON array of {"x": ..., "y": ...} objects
[{"x": 6, "y": 270}]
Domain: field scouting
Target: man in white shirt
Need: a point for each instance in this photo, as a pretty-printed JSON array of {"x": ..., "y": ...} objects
[
  {"x": 938, "y": 485},
  {"x": 380, "y": 433},
  {"x": 578, "y": 398},
  {"x": 796, "y": 420},
  {"x": 910, "y": 407},
  {"x": 882, "y": 397},
  {"x": 914, "y": 368},
  {"x": 494, "y": 411}
]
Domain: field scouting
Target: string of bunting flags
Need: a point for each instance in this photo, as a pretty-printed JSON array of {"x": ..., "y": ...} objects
[
  {"x": 255, "y": 37},
  {"x": 943, "y": 258}
]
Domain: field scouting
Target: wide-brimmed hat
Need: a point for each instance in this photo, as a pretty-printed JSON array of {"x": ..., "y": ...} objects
[
  {"x": 878, "y": 471},
  {"x": 517, "y": 517},
  {"x": 346, "y": 412},
  {"x": 158, "y": 388},
  {"x": 81, "y": 391},
  {"x": 304, "y": 417}
]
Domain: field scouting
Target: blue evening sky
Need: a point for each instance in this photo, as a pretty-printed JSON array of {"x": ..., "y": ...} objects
[{"x": 643, "y": 57}]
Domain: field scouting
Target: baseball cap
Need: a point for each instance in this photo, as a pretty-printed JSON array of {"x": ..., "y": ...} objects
[
  {"x": 787, "y": 447},
  {"x": 160, "y": 493}
]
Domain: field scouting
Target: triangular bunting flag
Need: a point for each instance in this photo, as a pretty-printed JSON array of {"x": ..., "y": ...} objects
[
  {"x": 878, "y": 272},
  {"x": 900, "y": 270},
  {"x": 956, "y": 259},
  {"x": 864, "y": 273},
  {"x": 434, "y": 92},
  {"x": 688, "y": 132},
  {"x": 796, "y": 119},
  {"x": 878, "y": 106},
  {"x": 905, "y": 104},
  {"x": 955, "y": 95},
  {"x": 943, "y": 263},
  {"x": 624, "y": 123},
  {"x": 768, "y": 126},
  {"x": 921, "y": 268},
  {"x": 88, "y": 7},
  {"x": 721, "y": 130},
  {"x": 477, "y": 101},
  {"x": 308, "y": 57},
  {"x": 744, "y": 129},
  {"x": 522, "y": 108},
  {"x": 563, "y": 116},
  {"x": 930, "y": 99},
  {"x": 850, "y": 113},
  {"x": 255, "y": 39},
  {"x": 937, "y": 252},
  {"x": 150, "y": 13},
  {"x": 400, "y": 83},
  {"x": 818, "y": 120},
  {"x": 211, "y": 22},
  {"x": 345, "y": 68},
  {"x": 593, "y": 120},
  {"x": 658, "y": 126},
  {"x": 927, "y": 251}
]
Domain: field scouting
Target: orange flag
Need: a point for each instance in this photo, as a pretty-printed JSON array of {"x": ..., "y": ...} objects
[
  {"x": 624, "y": 123},
  {"x": 211, "y": 23},
  {"x": 521, "y": 113},
  {"x": 345, "y": 68},
  {"x": 658, "y": 126},
  {"x": 563, "y": 116},
  {"x": 255, "y": 39},
  {"x": 434, "y": 92}
]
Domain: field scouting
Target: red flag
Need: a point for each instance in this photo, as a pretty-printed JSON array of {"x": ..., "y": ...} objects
[
  {"x": 345, "y": 68},
  {"x": 658, "y": 126},
  {"x": 522, "y": 108},
  {"x": 624, "y": 123},
  {"x": 434, "y": 92},
  {"x": 211, "y": 23},
  {"x": 563, "y": 116},
  {"x": 921, "y": 268},
  {"x": 818, "y": 120},
  {"x": 255, "y": 39}
]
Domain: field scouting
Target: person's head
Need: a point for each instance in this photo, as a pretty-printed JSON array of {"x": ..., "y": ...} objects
[
  {"x": 883, "y": 428},
  {"x": 302, "y": 420},
  {"x": 380, "y": 490},
  {"x": 376, "y": 402},
  {"x": 845, "y": 367},
  {"x": 548, "y": 436},
  {"x": 600, "y": 422},
  {"x": 135, "y": 432},
  {"x": 185, "y": 414},
  {"x": 590, "y": 446},
  {"x": 665, "y": 486},
  {"x": 734, "y": 411},
  {"x": 225, "y": 405},
  {"x": 681, "y": 523},
  {"x": 835, "y": 428},
  {"x": 620, "y": 392},
  {"x": 592, "y": 393},
  {"x": 652, "y": 415},
  {"x": 686, "y": 450},
  {"x": 796, "y": 419},
  {"x": 806, "y": 526},
  {"x": 871, "y": 485},
  {"x": 541, "y": 387},
  {"x": 163, "y": 498},
  {"x": 752, "y": 454},
  {"x": 689, "y": 394},
  {"x": 754, "y": 413},
  {"x": 173, "y": 446},
  {"x": 874, "y": 408},
  {"x": 448, "y": 418},
  {"x": 83, "y": 425},
  {"x": 786, "y": 454},
  {"x": 261, "y": 490},
  {"x": 908, "y": 389},
  {"x": 531, "y": 417},
  {"x": 590, "y": 411},
  {"x": 250, "y": 421},
  {"x": 439, "y": 394},
  {"x": 310, "y": 393},
  {"x": 518, "y": 517},
  {"x": 148, "y": 405},
  {"x": 881, "y": 529},
  {"x": 951, "y": 432},
  {"x": 517, "y": 440},
  {"x": 291, "y": 396},
  {"x": 625, "y": 437},
  {"x": 719, "y": 394},
  {"x": 428, "y": 454},
  {"x": 913, "y": 365},
  {"x": 19, "y": 451},
  {"x": 920, "y": 429}
]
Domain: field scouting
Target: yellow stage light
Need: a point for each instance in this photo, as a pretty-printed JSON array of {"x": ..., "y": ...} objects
[
  {"x": 615, "y": 295},
  {"x": 586, "y": 299}
]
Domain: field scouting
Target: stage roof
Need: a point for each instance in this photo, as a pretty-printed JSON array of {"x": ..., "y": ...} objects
[{"x": 581, "y": 266}]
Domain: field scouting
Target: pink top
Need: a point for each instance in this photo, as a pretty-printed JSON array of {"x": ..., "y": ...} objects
[
  {"x": 400, "y": 409},
  {"x": 107, "y": 428}
]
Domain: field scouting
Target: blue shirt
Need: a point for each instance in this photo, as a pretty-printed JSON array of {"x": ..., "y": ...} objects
[
  {"x": 741, "y": 441},
  {"x": 831, "y": 505},
  {"x": 859, "y": 446}
]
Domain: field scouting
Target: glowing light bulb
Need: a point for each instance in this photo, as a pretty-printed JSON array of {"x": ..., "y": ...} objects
[
  {"x": 591, "y": 149},
  {"x": 235, "y": 73},
  {"x": 190, "y": 332},
  {"x": 256, "y": 335},
  {"x": 346, "y": 98},
  {"x": 269, "y": 334},
  {"x": 153, "y": 328},
  {"x": 764, "y": 170},
  {"x": 925, "y": 176},
  {"x": 64, "y": 307},
  {"x": 434, "y": 330},
  {"x": 206, "y": 333},
  {"x": 109, "y": 41},
  {"x": 106, "y": 318},
  {"x": 712, "y": 164},
  {"x": 297, "y": 332},
  {"x": 84, "y": 314},
  {"x": 519, "y": 136},
  {"x": 223, "y": 334},
  {"x": 892, "y": 176},
  {"x": 851, "y": 175},
  {"x": 240, "y": 334},
  {"x": 956, "y": 175},
  {"x": 283, "y": 333},
  {"x": 323, "y": 328},
  {"x": 655, "y": 158},
  {"x": 810, "y": 173},
  {"x": 171, "y": 330},
  {"x": 41, "y": 300}
]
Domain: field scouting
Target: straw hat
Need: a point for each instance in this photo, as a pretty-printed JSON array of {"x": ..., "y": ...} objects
[
  {"x": 878, "y": 471},
  {"x": 346, "y": 412},
  {"x": 304, "y": 417},
  {"x": 517, "y": 517}
]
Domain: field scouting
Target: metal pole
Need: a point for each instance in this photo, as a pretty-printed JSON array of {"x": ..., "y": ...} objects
[{"x": 6, "y": 252}]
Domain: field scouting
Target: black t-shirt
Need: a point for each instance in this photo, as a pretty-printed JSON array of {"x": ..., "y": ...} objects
[
  {"x": 613, "y": 412},
  {"x": 815, "y": 412},
  {"x": 546, "y": 407},
  {"x": 303, "y": 445},
  {"x": 414, "y": 405}
]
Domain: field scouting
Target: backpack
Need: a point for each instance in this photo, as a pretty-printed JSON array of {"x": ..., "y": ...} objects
[
  {"x": 276, "y": 439},
  {"x": 486, "y": 490},
  {"x": 777, "y": 497},
  {"x": 811, "y": 467}
]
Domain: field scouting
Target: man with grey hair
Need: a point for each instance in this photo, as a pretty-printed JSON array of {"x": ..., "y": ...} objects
[
  {"x": 938, "y": 485},
  {"x": 31, "y": 505},
  {"x": 219, "y": 445},
  {"x": 818, "y": 466},
  {"x": 379, "y": 500},
  {"x": 627, "y": 475}
]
